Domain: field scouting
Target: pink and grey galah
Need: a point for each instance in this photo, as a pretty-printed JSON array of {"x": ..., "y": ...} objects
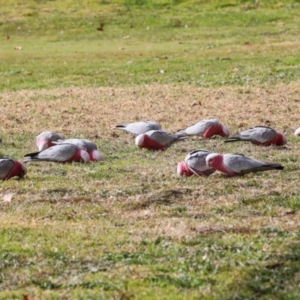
[
  {"x": 260, "y": 135},
  {"x": 45, "y": 139},
  {"x": 137, "y": 128},
  {"x": 87, "y": 145},
  {"x": 61, "y": 153},
  {"x": 207, "y": 129},
  {"x": 157, "y": 139},
  {"x": 195, "y": 164},
  {"x": 238, "y": 165},
  {"x": 9, "y": 167},
  {"x": 297, "y": 132}
]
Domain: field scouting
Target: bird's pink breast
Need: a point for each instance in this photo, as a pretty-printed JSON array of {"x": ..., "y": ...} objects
[
  {"x": 151, "y": 144},
  {"x": 213, "y": 130},
  {"x": 16, "y": 170}
]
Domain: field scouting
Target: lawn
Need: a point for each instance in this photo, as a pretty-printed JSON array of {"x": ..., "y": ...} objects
[{"x": 130, "y": 227}]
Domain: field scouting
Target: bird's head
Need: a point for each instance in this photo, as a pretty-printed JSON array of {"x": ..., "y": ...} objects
[
  {"x": 95, "y": 155},
  {"x": 225, "y": 131},
  {"x": 43, "y": 144},
  {"x": 297, "y": 132},
  {"x": 183, "y": 169},
  {"x": 211, "y": 159},
  {"x": 139, "y": 140},
  {"x": 283, "y": 139}
]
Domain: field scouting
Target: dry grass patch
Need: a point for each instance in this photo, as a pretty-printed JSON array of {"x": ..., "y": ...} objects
[{"x": 78, "y": 110}]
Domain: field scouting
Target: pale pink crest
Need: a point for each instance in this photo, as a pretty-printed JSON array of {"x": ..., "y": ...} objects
[{"x": 96, "y": 156}]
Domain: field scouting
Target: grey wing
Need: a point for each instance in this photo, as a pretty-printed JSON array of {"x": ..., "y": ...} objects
[
  {"x": 163, "y": 137},
  {"x": 77, "y": 142},
  {"x": 90, "y": 145},
  {"x": 54, "y": 136},
  {"x": 139, "y": 127},
  {"x": 153, "y": 125},
  {"x": 80, "y": 143},
  {"x": 240, "y": 163},
  {"x": 50, "y": 135},
  {"x": 142, "y": 127},
  {"x": 200, "y": 127},
  {"x": 5, "y": 167},
  {"x": 258, "y": 134},
  {"x": 197, "y": 154},
  {"x": 58, "y": 153},
  {"x": 196, "y": 160}
]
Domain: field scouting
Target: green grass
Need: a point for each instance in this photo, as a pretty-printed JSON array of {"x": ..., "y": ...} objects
[
  {"x": 190, "y": 41},
  {"x": 130, "y": 228}
]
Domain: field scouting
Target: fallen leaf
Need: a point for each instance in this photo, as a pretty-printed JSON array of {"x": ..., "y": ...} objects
[
  {"x": 8, "y": 197},
  {"x": 101, "y": 26}
]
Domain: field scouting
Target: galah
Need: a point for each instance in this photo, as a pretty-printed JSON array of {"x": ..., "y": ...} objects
[
  {"x": 157, "y": 139},
  {"x": 45, "y": 139},
  {"x": 195, "y": 164},
  {"x": 206, "y": 129},
  {"x": 139, "y": 127},
  {"x": 260, "y": 135},
  {"x": 87, "y": 145},
  {"x": 61, "y": 153},
  {"x": 297, "y": 132},
  {"x": 9, "y": 167},
  {"x": 238, "y": 165}
]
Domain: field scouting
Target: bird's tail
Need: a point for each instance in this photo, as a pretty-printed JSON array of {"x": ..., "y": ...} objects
[
  {"x": 233, "y": 139},
  {"x": 181, "y": 137},
  {"x": 30, "y": 157},
  {"x": 267, "y": 167},
  {"x": 121, "y": 126},
  {"x": 181, "y": 132}
]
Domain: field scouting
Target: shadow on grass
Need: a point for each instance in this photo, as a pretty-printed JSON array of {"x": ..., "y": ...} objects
[
  {"x": 276, "y": 278},
  {"x": 162, "y": 197}
]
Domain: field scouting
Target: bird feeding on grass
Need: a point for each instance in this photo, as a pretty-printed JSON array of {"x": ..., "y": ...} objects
[
  {"x": 206, "y": 129},
  {"x": 195, "y": 164},
  {"x": 84, "y": 144},
  {"x": 61, "y": 153},
  {"x": 260, "y": 135},
  {"x": 157, "y": 140},
  {"x": 9, "y": 167},
  {"x": 238, "y": 165},
  {"x": 46, "y": 139}
]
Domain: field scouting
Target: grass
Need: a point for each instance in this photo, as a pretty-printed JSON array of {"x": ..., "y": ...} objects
[
  {"x": 130, "y": 228},
  {"x": 205, "y": 45}
]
